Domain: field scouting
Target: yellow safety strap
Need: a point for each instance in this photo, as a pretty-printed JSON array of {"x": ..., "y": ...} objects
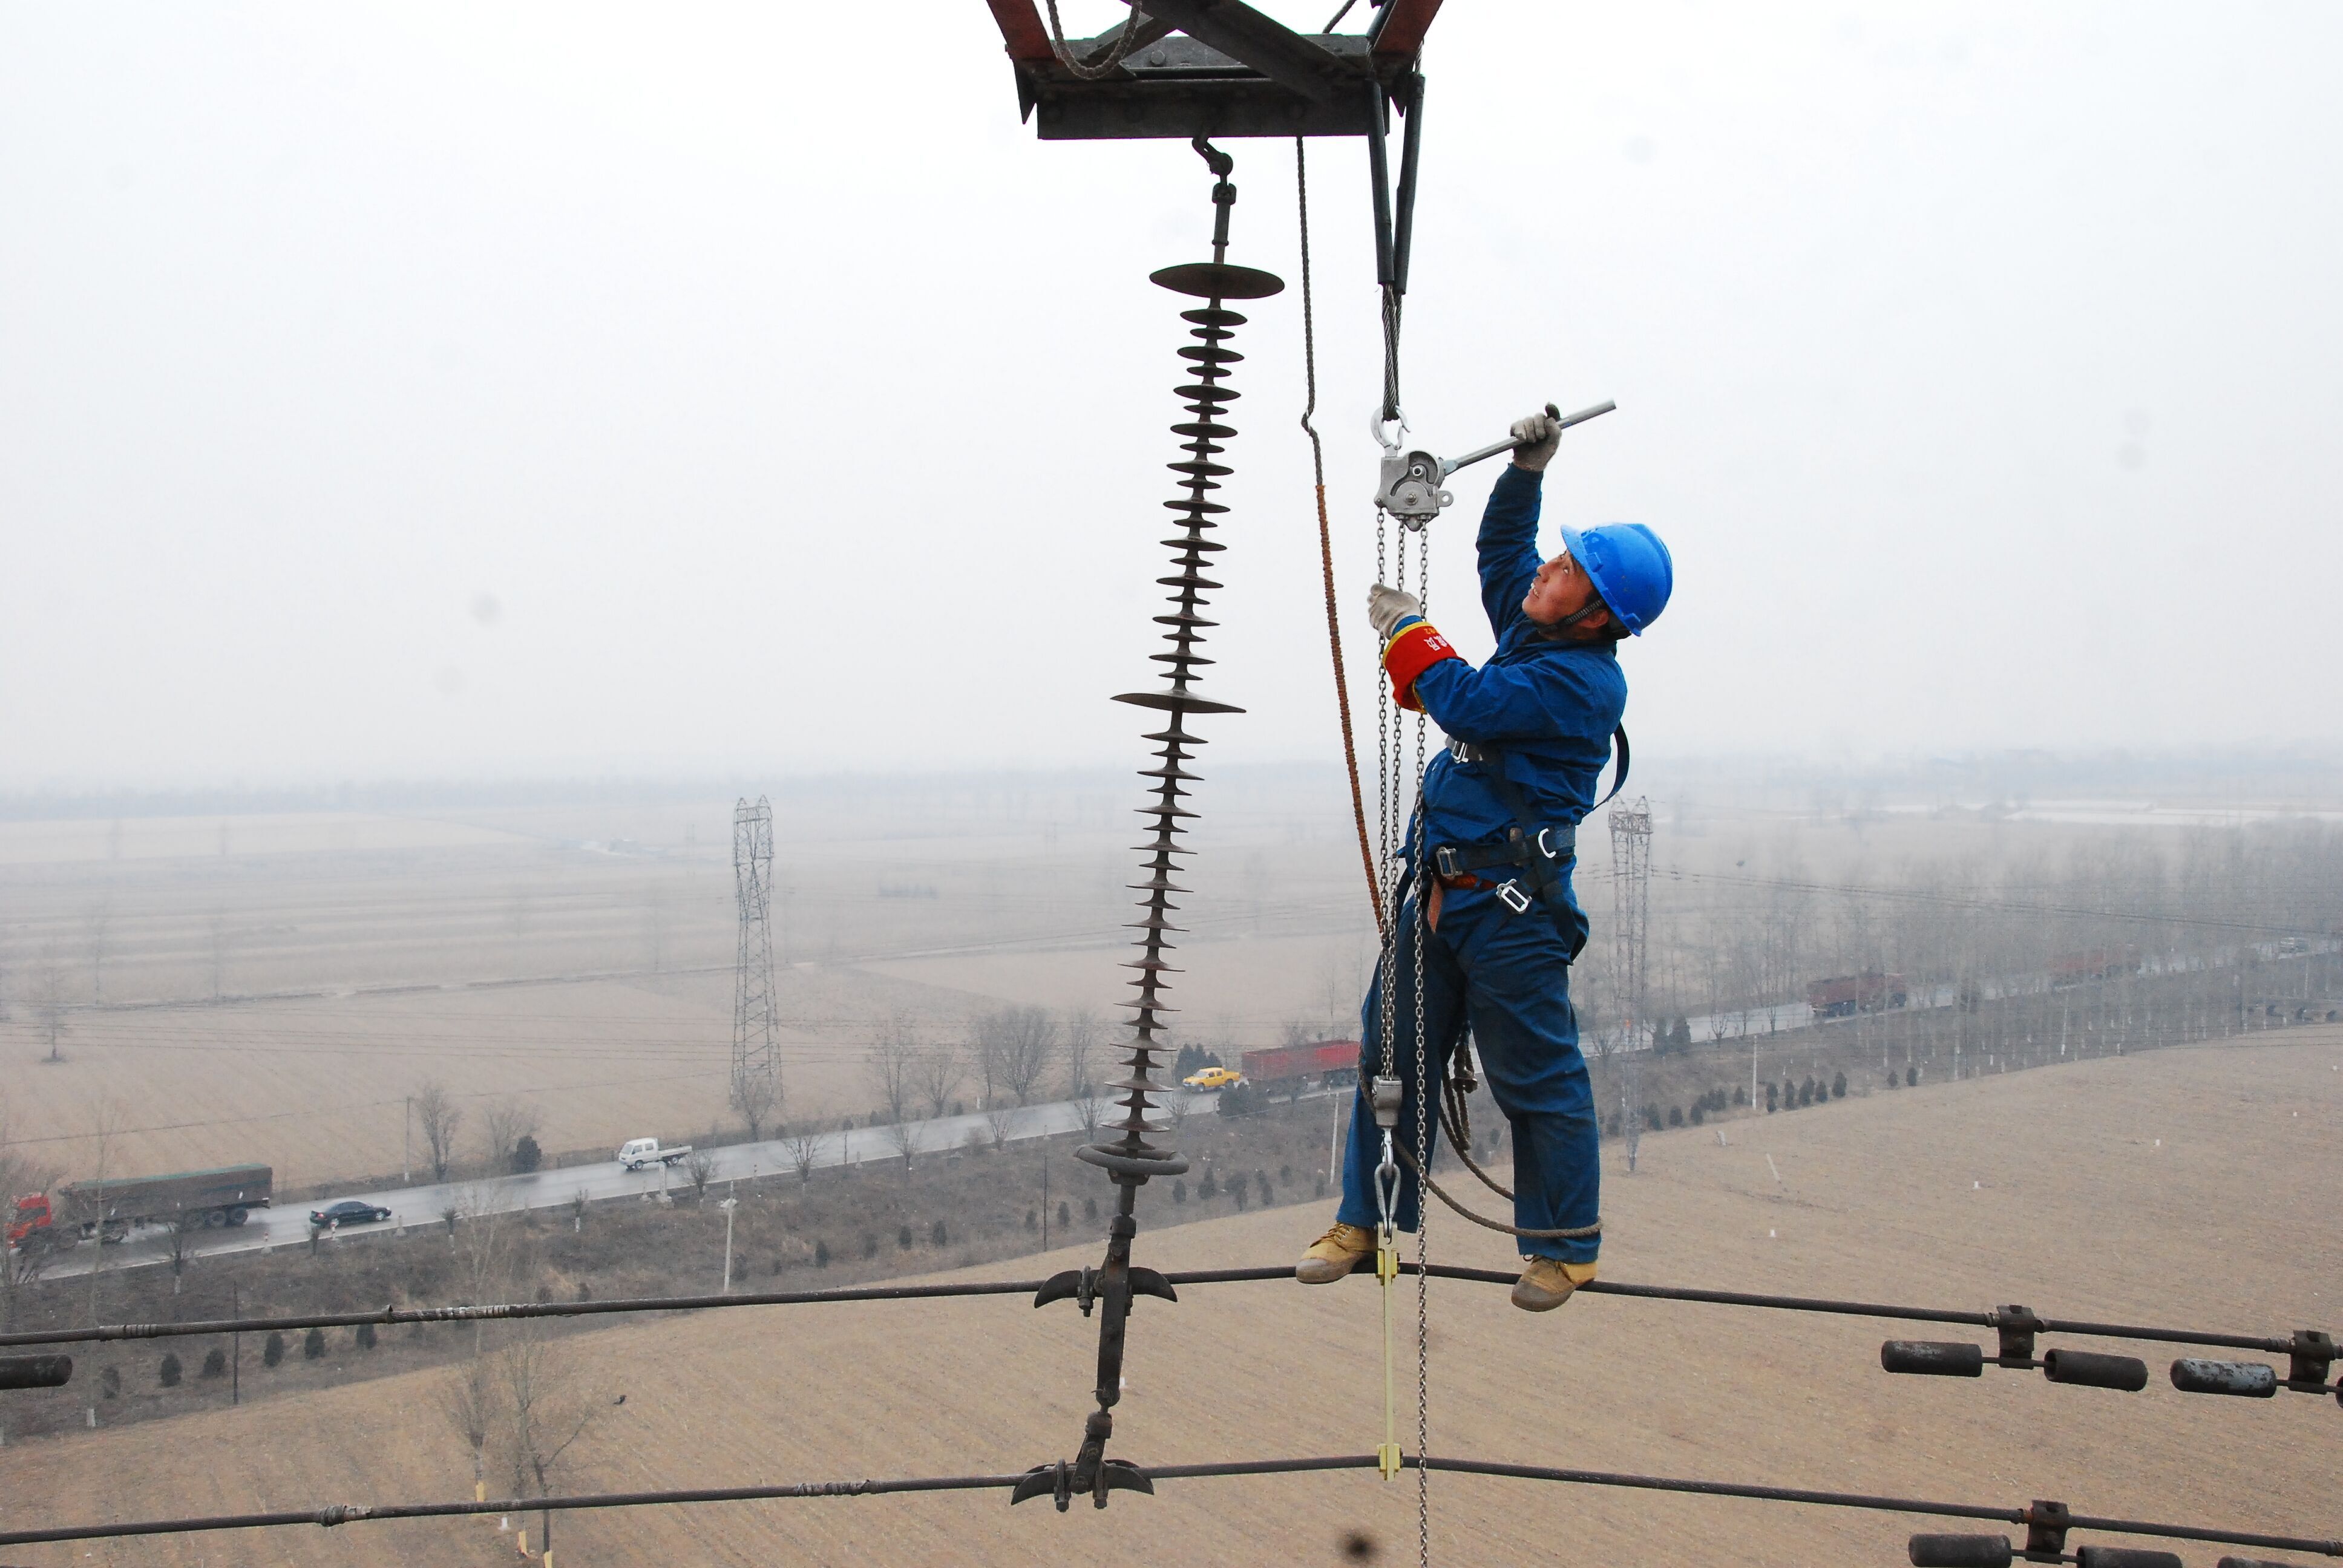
[{"x": 1386, "y": 1271}]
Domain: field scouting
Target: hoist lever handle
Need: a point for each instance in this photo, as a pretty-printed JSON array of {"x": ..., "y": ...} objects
[{"x": 1561, "y": 422}]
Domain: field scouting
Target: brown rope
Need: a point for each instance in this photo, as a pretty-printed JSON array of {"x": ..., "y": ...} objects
[
  {"x": 1566, "y": 1233},
  {"x": 1456, "y": 1121},
  {"x": 1326, "y": 541}
]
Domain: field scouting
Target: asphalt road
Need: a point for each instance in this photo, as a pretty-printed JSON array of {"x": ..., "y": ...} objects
[{"x": 428, "y": 1205}]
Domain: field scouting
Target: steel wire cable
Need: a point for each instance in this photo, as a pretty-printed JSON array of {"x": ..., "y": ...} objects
[
  {"x": 617, "y": 1305},
  {"x": 334, "y": 1515}
]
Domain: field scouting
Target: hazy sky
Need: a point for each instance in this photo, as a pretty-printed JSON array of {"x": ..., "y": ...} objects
[{"x": 465, "y": 390}]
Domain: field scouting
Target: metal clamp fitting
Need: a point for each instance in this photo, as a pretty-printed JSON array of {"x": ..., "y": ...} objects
[{"x": 1509, "y": 894}]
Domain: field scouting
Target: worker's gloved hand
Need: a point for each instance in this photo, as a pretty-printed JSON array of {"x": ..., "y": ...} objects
[
  {"x": 1540, "y": 436},
  {"x": 1387, "y": 606}
]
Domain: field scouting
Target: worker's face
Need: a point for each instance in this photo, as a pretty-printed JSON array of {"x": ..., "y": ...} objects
[{"x": 1561, "y": 591}]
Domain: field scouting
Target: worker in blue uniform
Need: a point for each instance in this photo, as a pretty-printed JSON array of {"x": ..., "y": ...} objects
[{"x": 1495, "y": 829}]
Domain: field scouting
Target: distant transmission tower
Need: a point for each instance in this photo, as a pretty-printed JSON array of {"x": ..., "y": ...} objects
[
  {"x": 1631, "y": 902},
  {"x": 756, "y": 1055}
]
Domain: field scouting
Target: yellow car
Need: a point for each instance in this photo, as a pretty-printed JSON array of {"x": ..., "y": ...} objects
[{"x": 1214, "y": 1078}]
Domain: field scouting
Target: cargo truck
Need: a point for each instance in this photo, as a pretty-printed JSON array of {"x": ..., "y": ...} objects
[
  {"x": 1844, "y": 996},
  {"x": 1332, "y": 1062},
  {"x": 108, "y": 1209}
]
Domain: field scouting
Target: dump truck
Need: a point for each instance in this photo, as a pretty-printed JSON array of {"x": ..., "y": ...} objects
[
  {"x": 1332, "y": 1062},
  {"x": 108, "y": 1209},
  {"x": 1844, "y": 996}
]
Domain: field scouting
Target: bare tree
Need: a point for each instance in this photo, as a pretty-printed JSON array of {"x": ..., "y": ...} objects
[
  {"x": 754, "y": 1093},
  {"x": 96, "y": 924},
  {"x": 891, "y": 1069},
  {"x": 1082, "y": 1032},
  {"x": 1176, "y": 1107},
  {"x": 699, "y": 1170},
  {"x": 1015, "y": 1045},
  {"x": 545, "y": 1408},
  {"x": 803, "y": 1144},
  {"x": 936, "y": 1072},
  {"x": 484, "y": 1249},
  {"x": 1091, "y": 1110},
  {"x": 469, "y": 1399},
  {"x": 439, "y": 1116},
  {"x": 1001, "y": 1122},
  {"x": 503, "y": 1124},
  {"x": 186, "y": 1225},
  {"x": 49, "y": 1009},
  {"x": 219, "y": 942},
  {"x": 906, "y": 1138}
]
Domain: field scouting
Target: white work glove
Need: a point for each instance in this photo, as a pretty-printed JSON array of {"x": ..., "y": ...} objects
[
  {"x": 1542, "y": 435},
  {"x": 1387, "y": 606}
]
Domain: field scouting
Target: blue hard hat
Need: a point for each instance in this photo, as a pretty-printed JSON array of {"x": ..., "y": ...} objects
[{"x": 1629, "y": 566}]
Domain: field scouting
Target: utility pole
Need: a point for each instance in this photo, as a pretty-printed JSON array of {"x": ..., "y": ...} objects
[
  {"x": 406, "y": 1140},
  {"x": 756, "y": 1058},
  {"x": 1630, "y": 904},
  {"x": 729, "y": 1206},
  {"x": 235, "y": 1354},
  {"x": 1045, "y": 1195}
]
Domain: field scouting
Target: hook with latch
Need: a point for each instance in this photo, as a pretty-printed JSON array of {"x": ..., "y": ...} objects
[{"x": 1410, "y": 479}]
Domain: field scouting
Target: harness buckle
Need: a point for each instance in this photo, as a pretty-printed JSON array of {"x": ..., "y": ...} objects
[
  {"x": 1443, "y": 860},
  {"x": 1509, "y": 894},
  {"x": 1543, "y": 848}
]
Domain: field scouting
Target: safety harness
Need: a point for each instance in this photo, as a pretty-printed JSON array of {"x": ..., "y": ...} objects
[{"x": 1540, "y": 856}]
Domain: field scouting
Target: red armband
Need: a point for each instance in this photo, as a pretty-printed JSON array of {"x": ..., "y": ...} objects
[{"x": 1413, "y": 648}]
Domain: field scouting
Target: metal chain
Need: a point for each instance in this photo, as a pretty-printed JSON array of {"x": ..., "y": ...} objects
[
  {"x": 1425, "y": 1097},
  {"x": 1387, "y": 737},
  {"x": 1382, "y": 734},
  {"x": 1099, "y": 73}
]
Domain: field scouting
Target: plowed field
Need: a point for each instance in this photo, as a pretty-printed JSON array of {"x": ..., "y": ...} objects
[{"x": 2191, "y": 1188}]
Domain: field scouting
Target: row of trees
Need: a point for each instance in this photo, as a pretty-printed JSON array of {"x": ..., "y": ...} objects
[
  {"x": 1008, "y": 1056},
  {"x": 508, "y": 1129},
  {"x": 1740, "y": 947}
]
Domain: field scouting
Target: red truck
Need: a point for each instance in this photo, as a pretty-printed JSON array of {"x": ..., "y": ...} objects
[
  {"x": 2094, "y": 964},
  {"x": 1844, "y": 996},
  {"x": 1332, "y": 1062},
  {"x": 108, "y": 1210}
]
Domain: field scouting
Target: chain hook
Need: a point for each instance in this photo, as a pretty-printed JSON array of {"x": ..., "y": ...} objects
[{"x": 1389, "y": 442}]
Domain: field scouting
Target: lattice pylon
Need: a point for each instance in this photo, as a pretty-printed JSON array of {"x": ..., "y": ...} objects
[
  {"x": 756, "y": 1086},
  {"x": 1631, "y": 912}
]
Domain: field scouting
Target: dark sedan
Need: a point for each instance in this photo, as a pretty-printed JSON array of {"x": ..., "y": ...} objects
[{"x": 349, "y": 1211}]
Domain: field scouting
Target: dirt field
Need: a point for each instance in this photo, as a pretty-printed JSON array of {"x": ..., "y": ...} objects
[{"x": 2187, "y": 1186}]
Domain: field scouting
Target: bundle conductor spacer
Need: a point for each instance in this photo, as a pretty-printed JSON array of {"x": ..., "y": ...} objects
[{"x": 1955, "y": 1358}]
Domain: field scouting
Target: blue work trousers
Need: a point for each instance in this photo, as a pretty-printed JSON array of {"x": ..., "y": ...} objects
[{"x": 1508, "y": 975}]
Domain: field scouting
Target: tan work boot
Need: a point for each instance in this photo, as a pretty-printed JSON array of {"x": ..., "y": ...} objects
[
  {"x": 1548, "y": 1283},
  {"x": 1335, "y": 1254}
]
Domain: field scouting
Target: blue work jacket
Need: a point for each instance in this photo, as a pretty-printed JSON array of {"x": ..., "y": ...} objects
[{"x": 1549, "y": 708}]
